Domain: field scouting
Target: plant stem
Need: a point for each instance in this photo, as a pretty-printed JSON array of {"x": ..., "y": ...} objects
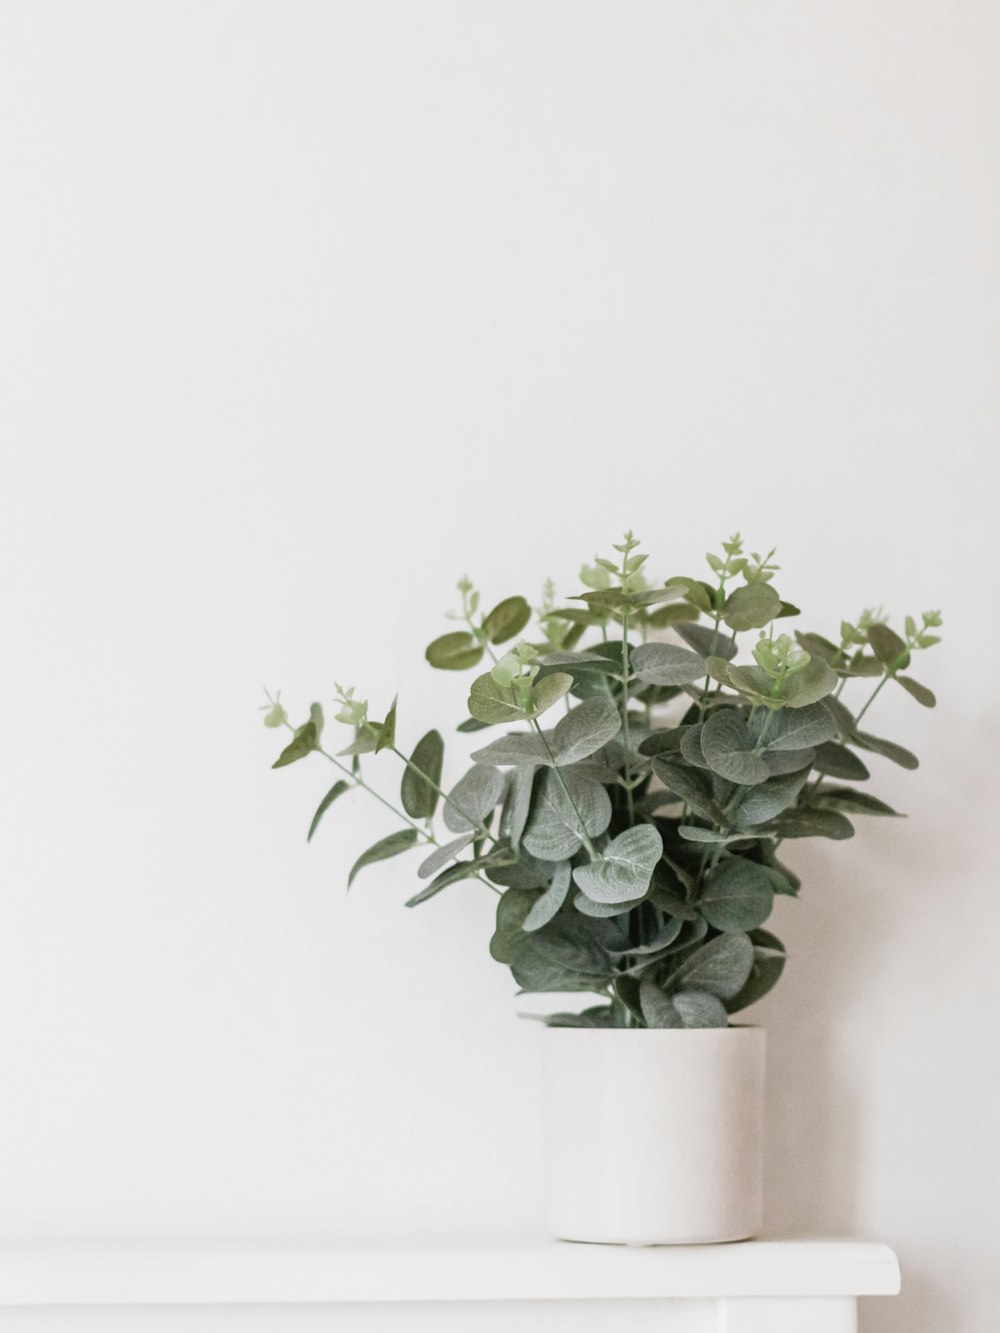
[
  {"x": 358, "y": 781},
  {"x": 626, "y": 678},
  {"x": 871, "y": 699}
]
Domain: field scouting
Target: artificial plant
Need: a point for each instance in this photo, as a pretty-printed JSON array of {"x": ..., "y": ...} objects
[{"x": 633, "y": 840}]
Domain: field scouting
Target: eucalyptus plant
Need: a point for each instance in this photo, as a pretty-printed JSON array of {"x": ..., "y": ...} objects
[{"x": 661, "y": 742}]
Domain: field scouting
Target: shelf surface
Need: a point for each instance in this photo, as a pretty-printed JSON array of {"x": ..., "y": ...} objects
[{"x": 385, "y": 1270}]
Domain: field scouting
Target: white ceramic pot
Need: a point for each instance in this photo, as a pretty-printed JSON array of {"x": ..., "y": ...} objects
[{"x": 654, "y": 1136}]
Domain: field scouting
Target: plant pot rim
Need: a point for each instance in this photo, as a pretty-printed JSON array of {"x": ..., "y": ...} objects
[{"x": 735, "y": 1029}]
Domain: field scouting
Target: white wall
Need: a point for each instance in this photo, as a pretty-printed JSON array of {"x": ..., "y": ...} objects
[{"x": 307, "y": 309}]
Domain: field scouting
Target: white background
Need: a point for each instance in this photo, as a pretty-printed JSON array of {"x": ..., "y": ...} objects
[{"x": 308, "y": 309}]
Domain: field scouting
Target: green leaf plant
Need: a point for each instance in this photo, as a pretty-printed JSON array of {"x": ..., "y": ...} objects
[{"x": 659, "y": 743}]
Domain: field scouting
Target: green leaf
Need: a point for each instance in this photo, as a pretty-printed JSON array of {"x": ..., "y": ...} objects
[
  {"x": 491, "y": 702},
  {"x": 663, "y": 938},
  {"x": 364, "y": 743},
  {"x": 726, "y": 745},
  {"x": 585, "y": 729},
  {"x": 764, "y": 974},
  {"x": 472, "y": 724},
  {"x": 812, "y": 823},
  {"x": 709, "y": 642},
  {"x": 799, "y": 729},
  {"x": 763, "y": 939},
  {"x": 383, "y": 849},
  {"x": 839, "y": 762},
  {"x": 919, "y": 692},
  {"x": 461, "y": 870},
  {"x": 694, "y": 833},
  {"x": 698, "y": 1009},
  {"x": 666, "y": 616},
  {"x": 625, "y": 868},
  {"x": 454, "y": 652},
  {"x": 888, "y": 647},
  {"x": 516, "y": 804},
  {"x": 666, "y": 664},
  {"x": 516, "y": 749},
  {"x": 553, "y": 828},
  {"x": 597, "y": 1016},
  {"x": 607, "y": 599},
  {"x": 657, "y": 1008},
  {"x": 387, "y": 731},
  {"x": 887, "y": 749},
  {"x": 417, "y": 789},
  {"x": 809, "y": 685},
  {"x": 548, "y": 690},
  {"x": 769, "y": 799},
  {"x": 302, "y": 743},
  {"x": 720, "y": 967},
  {"x": 851, "y": 802},
  {"x": 581, "y": 661},
  {"x": 563, "y": 956},
  {"x": 751, "y": 607},
  {"x": 588, "y": 907},
  {"x": 473, "y": 798},
  {"x": 697, "y": 593},
  {"x": 335, "y": 791},
  {"x": 508, "y": 936},
  {"x": 781, "y": 762},
  {"x": 440, "y": 856},
  {"x": 507, "y": 619},
  {"x": 738, "y": 896},
  {"x": 816, "y": 645},
  {"x": 690, "y": 787},
  {"x": 545, "y": 907}
]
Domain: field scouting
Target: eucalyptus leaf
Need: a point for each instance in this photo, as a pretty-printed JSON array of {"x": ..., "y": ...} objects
[
  {"x": 720, "y": 967},
  {"x": 302, "y": 743},
  {"x": 810, "y": 685},
  {"x": 728, "y": 750},
  {"x": 837, "y": 761},
  {"x": 491, "y": 702},
  {"x": 769, "y": 799},
  {"x": 887, "y": 749},
  {"x": 699, "y": 1009},
  {"x": 561, "y": 801},
  {"x": 707, "y": 641},
  {"x": 545, "y": 908},
  {"x": 335, "y": 792},
  {"x": 666, "y": 664},
  {"x": 851, "y": 802},
  {"x": 422, "y": 777},
  {"x": 548, "y": 690},
  {"x": 473, "y": 798},
  {"x": 454, "y": 652},
  {"x": 516, "y": 804},
  {"x": 658, "y": 1009},
  {"x": 888, "y": 647},
  {"x": 387, "y": 732},
  {"x": 751, "y": 607},
  {"x": 383, "y": 849},
  {"x": 919, "y": 692},
  {"x": 440, "y": 856},
  {"x": 764, "y": 974},
  {"x": 690, "y": 786},
  {"x": 517, "y": 748},
  {"x": 795, "y": 729},
  {"x": 507, "y": 619},
  {"x": 512, "y": 910},
  {"x": 625, "y": 868},
  {"x": 738, "y": 895},
  {"x": 812, "y": 823},
  {"x": 585, "y": 730}
]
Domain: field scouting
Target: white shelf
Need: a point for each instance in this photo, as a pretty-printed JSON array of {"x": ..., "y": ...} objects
[{"x": 487, "y": 1269}]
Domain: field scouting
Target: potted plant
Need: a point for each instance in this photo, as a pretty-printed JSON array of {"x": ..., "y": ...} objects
[{"x": 629, "y": 818}]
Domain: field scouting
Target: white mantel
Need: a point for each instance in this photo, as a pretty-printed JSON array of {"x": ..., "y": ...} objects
[{"x": 764, "y": 1286}]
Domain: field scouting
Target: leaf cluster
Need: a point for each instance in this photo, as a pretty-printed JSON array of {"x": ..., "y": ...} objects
[{"x": 633, "y": 842}]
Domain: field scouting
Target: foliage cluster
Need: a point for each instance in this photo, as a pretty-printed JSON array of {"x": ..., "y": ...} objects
[{"x": 633, "y": 844}]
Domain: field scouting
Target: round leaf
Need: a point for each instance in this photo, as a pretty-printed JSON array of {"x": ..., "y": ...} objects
[
  {"x": 666, "y": 664},
  {"x": 585, "y": 729},
  {"x": 454, "y": 652},
  {"x": 507, "y": 619},
  {"x": 738, "y": 896},
  {"x": 625, "y": 868}
]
